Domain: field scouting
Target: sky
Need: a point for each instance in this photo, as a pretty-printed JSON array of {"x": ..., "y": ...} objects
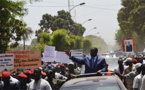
[{"x": 102, "y": 12}]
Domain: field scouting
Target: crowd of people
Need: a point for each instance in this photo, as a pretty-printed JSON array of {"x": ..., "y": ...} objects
[
  {"x": 51, "y": 76},
  {"x": 131, "y": 71},
  {"x": 47, "y": 77}
]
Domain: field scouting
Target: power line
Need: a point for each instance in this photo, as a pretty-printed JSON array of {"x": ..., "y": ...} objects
[
  {"x": 46, "y": 6},
  {"x": 83, "y": 6},
  {"x": 100, "y": 8}
]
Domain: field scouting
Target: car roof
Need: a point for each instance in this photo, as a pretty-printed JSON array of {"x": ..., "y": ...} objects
[{"x": 94, "y": 80}]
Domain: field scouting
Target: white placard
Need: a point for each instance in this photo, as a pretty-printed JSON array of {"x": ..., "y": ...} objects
[
  {"x": 49, "y": 54},
  {"x": 62, "y": 57},
  {"x": 143, "y": 62},
  {"x": 77, "y": 53},
  {"x": 6, "y": 61}
]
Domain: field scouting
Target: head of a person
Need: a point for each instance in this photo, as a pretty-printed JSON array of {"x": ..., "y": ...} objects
[
  {"x": 6, "y": 77},
  {"x": 57, "y": 68},
  {"x": 128, "y": 43},
  {"x": 43, "y": 75},
  {"x": 93, "y": 52},
  {"x": 134, "y": 61},
  {"x": 37, "y": 74},
  {"x": 50, "y": 75},
  {"x": 143, "y": 69},
  {"x": 120, "y": 61},
  {"x": 22, "y": 79},
  {"x": 71, "y": 67},
  {"x": 138, "y": 67},
  {"x": 62, "y": 68},
  {"x": 129, "y": 62}
]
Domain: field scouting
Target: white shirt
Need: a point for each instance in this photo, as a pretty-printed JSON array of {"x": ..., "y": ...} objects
[
  {"x": 137, "y": 81},
  {"x": 143, "y": 83},
  {"x": 59, "y": 76},
  {"x": 40, "y": 85}
]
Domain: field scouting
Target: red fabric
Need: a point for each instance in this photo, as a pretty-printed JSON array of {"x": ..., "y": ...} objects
[
  {"x": 0, "y": 75},
  {"x": 43, "y": 73},
  {"x": 107, "y": 64},
  {"x": 134, "y": 60},
  {"x": 28, "y": 72},
  {"x": 32, "y": 71},
  {"x": 22, "y": 75},
  {"x": 6, "y": 74},
  {"x": 62, "y": 65}
]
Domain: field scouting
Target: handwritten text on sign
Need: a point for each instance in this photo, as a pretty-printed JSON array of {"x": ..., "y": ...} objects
[{"x": 26, "y": 59}]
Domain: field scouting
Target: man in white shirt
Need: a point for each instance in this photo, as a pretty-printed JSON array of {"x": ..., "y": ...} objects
[
  {"x": 38, "y": 83},
  {"x": 137, "y": 83}
]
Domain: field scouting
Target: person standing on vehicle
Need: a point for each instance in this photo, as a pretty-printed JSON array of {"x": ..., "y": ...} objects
[{"x": 93, "y": 64}]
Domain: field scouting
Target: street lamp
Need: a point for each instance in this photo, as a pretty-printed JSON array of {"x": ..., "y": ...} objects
[
  {"x": 91, "y": 30},
  {"x": 86, "y": 21},
  {"x": 76, "y": 6},
  {"x": 70, "y": 13}
]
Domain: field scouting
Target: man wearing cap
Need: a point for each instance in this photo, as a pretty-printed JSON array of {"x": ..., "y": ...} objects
[
  {"x": 93, "y": 64},
  {"x": 130, "y": 76},
  {"x": 9, "y": 84},
  {"x": 130, "y": 67},
  {"x": 22, "y": 79},
  {"x": 38, "y": 83}
]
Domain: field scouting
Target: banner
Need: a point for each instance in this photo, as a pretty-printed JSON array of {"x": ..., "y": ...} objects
[
  {"x": 26, "y": 59},
  {"x": 129, "y": 46},
  {"x": 49, "y": 54},
  {"x": 77, "y": 53},
  {"x": 62, "y": 57},
  {"x": 6, "y": 61}
]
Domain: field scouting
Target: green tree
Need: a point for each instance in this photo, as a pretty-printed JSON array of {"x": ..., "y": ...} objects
[
  {"x": 131, "y": 20},
  {"x": 61, "y": 21},
  {"x": 11, "y": 29},
  {"x": 45, "y": 38},
  {"x": 26, "y": 35},
  {"x": 60, "y": 40},
  {"x": 98, "y": 42},
  {"x": 87, "y": 45}
]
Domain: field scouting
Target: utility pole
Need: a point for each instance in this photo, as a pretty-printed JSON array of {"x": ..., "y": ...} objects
[{"x": 68, "y": 5}]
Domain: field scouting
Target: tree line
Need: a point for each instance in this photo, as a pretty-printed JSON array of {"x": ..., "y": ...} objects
[
  {"x": 60, "y": 30},
  {"x": 132, "y": 22}
]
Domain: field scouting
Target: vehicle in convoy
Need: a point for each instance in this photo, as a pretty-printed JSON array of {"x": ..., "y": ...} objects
[{"x": 94, "y": 82}]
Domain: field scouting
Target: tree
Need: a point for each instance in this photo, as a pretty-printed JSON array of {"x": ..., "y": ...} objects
[
  {"x": 61, "y": 21},
  {"x": 98, "y": 42},
  {"x": 131, "y": 20},
  {"x": 11, "y": 29},
  {"x": 87, "y": 45},
  {"x": 60, "y": 40},
  {"x": 119, "y": 36},
  {"x": 28, "y": 31}
]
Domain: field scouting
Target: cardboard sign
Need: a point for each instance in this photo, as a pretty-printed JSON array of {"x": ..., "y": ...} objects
[
  {"x": 26, "y": 59},
  {"x": 62, "y": 57},
  {"x": 49, "y": 54},
  {"x": 77, "y": 53},
  {"x": 6, "y": 61}
]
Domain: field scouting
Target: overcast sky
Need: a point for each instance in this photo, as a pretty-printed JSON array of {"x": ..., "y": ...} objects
[{"x": 102, "y": 12}]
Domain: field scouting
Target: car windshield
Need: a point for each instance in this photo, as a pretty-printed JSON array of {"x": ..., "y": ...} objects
[{"x": 94, "y": 87}]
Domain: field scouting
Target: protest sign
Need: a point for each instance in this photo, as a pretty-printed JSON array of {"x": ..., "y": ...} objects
[
  {"x": 26, "y": 59},
  {"x": 49, "y": 54},
  {"x": 77, "y": 53},
  {"x": 6, "y": 61},
  {"x": 62, "y": 57},
  {"x": 129, "y": 46}
]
